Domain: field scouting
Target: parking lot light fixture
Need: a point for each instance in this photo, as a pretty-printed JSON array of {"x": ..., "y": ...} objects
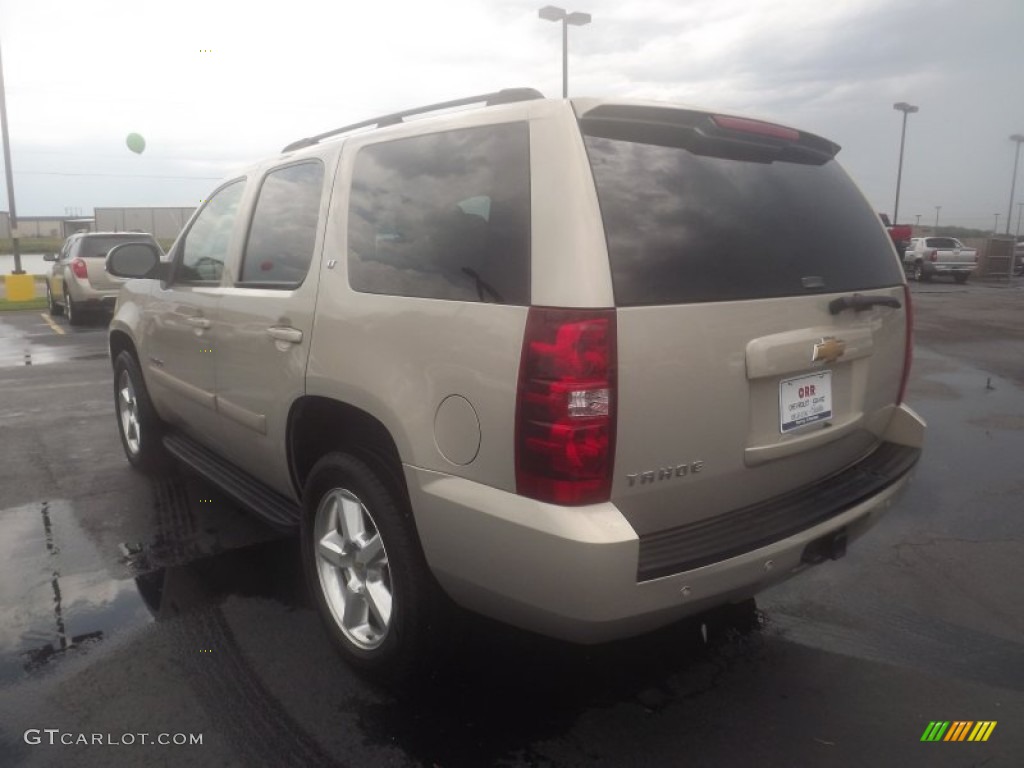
[
  {"x": 577, "y": 19},
  {"x": 937, "y": 209},
  {"x": 906, "y": 109},
  {"x": 1017, "y": 137}
]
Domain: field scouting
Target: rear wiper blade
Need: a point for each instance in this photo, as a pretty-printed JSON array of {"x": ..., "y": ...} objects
[{"x": 859, "y": 302}]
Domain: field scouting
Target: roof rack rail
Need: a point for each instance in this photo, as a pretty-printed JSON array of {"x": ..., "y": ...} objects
[{"x": 504, "y": 96}]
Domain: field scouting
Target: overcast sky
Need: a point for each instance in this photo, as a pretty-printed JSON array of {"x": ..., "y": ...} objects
[{"x": 215, "y": 85}]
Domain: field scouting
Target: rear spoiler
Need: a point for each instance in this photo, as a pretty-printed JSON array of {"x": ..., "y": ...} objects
[{"x": 703, "y": 133}]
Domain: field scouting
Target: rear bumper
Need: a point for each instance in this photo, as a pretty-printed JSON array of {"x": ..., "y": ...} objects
[
  {"x": 89, "y": 298},
  {"x": 948, "y": 269},
  {"x": 577, "y": 573}
]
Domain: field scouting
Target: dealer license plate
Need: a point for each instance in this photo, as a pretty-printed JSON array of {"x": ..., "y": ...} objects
[{"x": 805, "y": 400}]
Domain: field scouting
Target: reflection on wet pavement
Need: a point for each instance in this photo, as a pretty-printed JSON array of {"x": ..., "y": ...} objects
[
  {"x": 33, "y": 342},
  {"x": 55, "y": 597},
  {"x": 64, "y": 589}
]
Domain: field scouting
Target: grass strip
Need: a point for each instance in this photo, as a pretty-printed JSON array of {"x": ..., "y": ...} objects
[{"x": 11, "y": 306}]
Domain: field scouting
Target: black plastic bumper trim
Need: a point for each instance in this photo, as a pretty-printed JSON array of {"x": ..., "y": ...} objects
[{"x": 693, "y": 545}]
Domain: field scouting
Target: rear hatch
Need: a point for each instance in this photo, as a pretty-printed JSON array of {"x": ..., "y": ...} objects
[
  {"x": 746, "y": 368},
  {"x": 93, "y": 251}
]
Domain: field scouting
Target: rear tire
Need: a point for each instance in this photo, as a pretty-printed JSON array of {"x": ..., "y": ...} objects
[
  {"x": 920, "y": 275},
  {"x": 372, "y": 587},
  {"x": 960, "y": 278},
  {"x": 138, "y": 425},
  {"x": 54, "y": 308},
  {"x": 74, "y": 315}
]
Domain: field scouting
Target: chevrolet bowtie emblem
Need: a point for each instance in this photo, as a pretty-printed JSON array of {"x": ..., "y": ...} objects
[{"x": 828, "y": 350}]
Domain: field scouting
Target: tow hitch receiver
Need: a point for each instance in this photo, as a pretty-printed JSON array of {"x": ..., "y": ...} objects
[{"x": 830, "y": 547}]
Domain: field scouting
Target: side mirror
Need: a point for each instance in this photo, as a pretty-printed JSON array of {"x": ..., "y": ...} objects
[
  {"x": 135, "y": 260},
  {"x": 49, "y": 257}
]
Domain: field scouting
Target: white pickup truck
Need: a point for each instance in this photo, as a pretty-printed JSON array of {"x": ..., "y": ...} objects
[{"x": 928, "y": 257}]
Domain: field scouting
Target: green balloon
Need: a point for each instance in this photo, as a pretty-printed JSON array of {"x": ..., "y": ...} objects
[{"x": 135, "y": 143}]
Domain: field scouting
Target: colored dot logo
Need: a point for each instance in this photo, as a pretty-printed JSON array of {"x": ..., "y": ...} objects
[
  {"x": 206, "y": 50},
  {"x": 206, "y": 650},
  {"x": 206, "y": 501}
]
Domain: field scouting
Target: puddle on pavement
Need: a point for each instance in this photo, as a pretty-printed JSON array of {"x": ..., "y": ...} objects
[
  {"x": 60, "y": 598},
  {"x": 19, "y": 347},
  {"x": 55, "y": 599}
]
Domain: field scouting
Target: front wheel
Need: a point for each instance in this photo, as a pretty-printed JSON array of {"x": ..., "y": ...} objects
[
  {"x": 138, "y": 424},
  {"x": 363, "y": 563}
]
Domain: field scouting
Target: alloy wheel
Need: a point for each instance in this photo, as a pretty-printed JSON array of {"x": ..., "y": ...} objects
[
  {"x": 353, "y": 568},
  {"x": 128, "y": 413}
]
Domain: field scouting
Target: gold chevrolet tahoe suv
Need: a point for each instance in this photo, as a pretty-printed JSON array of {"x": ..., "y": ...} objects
[{"x": 579, "y": 365}]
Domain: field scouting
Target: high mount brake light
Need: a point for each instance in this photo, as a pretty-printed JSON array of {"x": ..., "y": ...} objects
[
  {"x": 565, "y": 406},
  {"x": 756, "y": 127}
]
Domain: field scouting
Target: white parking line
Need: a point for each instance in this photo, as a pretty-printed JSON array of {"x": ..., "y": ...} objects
[{"x": 49, "y": 320}]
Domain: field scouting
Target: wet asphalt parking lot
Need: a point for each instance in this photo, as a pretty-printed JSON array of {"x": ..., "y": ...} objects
[{"x": 133, "y": 606}]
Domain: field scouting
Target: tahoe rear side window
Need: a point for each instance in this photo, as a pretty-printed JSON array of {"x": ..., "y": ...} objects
[
  {"x": 444, "y": 216},
  {"x": 282, "y": 235},
  {"x": 685, "y": 227}
]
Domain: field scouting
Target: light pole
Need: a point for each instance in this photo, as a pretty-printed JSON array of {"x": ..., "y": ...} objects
[
  {"x": 1013, "y": 184},
  {"x": 917, "y": 223},
  {"x": 15, "y": 247},
  {"x": 995, "y": 228},
  {"x": 1019, "y": 207},
  {"x": 937, "y": 209},
  {"x": 577, "y": 19},
  {"x": 906, "y": 109}
]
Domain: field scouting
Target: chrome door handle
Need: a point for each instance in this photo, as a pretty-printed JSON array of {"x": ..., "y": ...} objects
[
  {"x": 199, "y": 322},
  {"x": 284, "y": 333}
]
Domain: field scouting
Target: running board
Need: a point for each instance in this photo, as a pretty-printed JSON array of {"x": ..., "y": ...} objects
[{"x": 275, "y": 509}]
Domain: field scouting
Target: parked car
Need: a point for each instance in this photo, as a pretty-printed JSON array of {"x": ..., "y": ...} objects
[
  {"x": 578, "y": 365},
  {"x": 928, "y": 257},
  {"x": 78, "y": 282}
]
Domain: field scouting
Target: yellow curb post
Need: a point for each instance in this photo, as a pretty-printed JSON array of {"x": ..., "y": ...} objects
[{"x": 20, "y": 287}]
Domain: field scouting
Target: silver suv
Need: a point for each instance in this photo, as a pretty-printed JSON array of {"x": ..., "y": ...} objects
[
  {"x": 578, "y": 365},
  {"x": 78, "y": 283}
]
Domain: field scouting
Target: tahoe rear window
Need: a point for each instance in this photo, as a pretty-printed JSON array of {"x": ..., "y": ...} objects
[{"x": 684, "y": 227}]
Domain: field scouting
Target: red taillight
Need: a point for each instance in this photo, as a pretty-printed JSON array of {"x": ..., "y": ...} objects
[
  {"x": 933, "y": 255},
  {"x": 78, "y": 267},
  {"x": 565, "y": 406},
  {"x": 908, "y": 348}
]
